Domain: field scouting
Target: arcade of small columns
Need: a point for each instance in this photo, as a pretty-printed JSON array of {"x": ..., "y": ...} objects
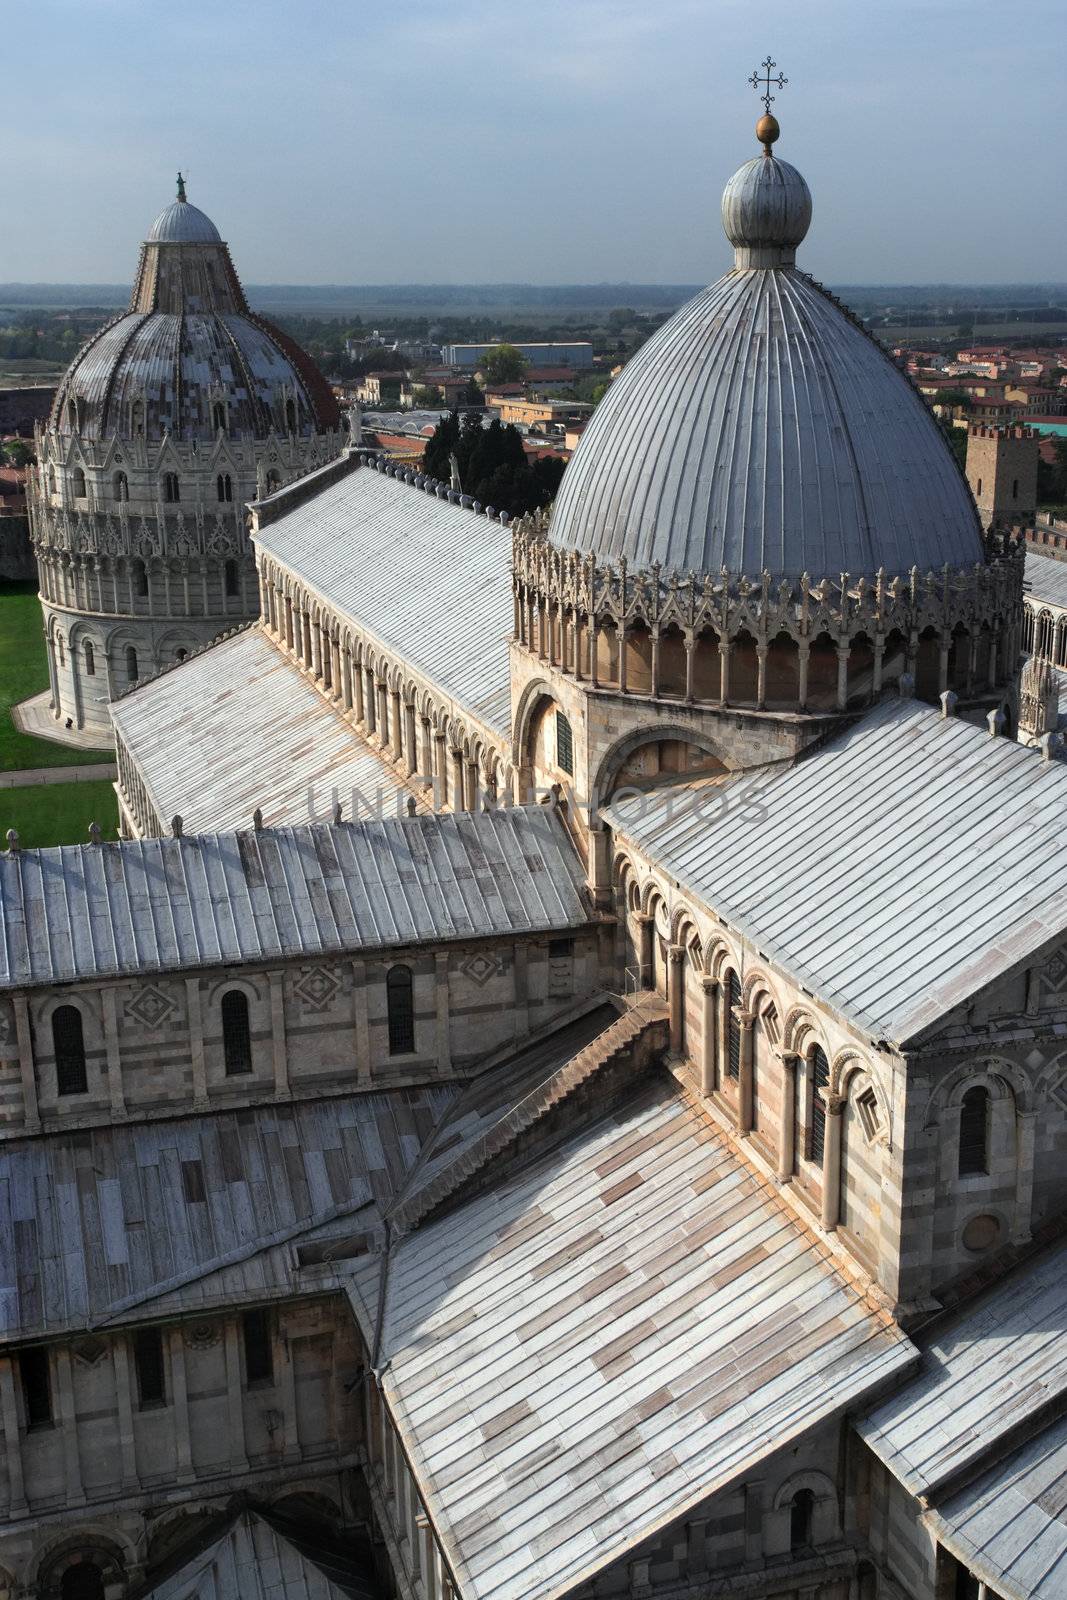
[
  {"x": 797, "y": 647},
  {"x": 1045, "y": 631},
  {"x": 711, "y": 997},
  {"x": 401, "y": 713}
]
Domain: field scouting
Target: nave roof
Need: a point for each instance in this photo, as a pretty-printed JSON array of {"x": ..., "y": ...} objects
[
  {"x": 141, "y": 906},
  {"x": 895, "y": 871},
  {"x": 430, "y": 580}
]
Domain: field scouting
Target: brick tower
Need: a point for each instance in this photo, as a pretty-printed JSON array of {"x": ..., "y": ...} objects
[{"x": 1002, "y": 473}]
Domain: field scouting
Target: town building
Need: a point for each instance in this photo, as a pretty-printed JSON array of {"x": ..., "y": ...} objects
[
  {"x": 560, "y": 1091},
  {"x": 564, "y": 353},
  {"x": 171, "y": 417}
]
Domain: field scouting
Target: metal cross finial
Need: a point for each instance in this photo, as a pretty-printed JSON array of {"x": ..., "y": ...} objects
[
  {"x": 766, "y": 81},
  {"x": 181, "y": 183}
]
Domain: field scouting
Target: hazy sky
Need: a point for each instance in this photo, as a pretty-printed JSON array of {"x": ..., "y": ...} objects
[{"x": 553, "y": 141}]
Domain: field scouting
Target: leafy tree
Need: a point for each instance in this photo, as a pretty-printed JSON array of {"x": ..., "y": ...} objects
[
  {"x": 423, "y": 396},
  {"x": 503, "y": 364},
  {"x": 17, "y": 453},
  {"x": 492, "y": 463}
]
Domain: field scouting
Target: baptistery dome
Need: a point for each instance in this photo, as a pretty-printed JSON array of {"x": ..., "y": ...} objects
[
  {"x": 189, "y": 345},
  {"x": 170, "y": 419},
  {"x": 762, "y": 429}
]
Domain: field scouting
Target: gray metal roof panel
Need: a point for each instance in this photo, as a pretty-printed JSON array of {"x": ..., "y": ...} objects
[
  {"x": 238, "y": 726},
  {"x": 104, "y": 1224},
  {"x": 137, "y": 906},
  {"x": 1046, "y": 579},
  {"x": 637, "y": 1311},
  {"x": 983, "y": 1372},
  {"x": 760, "y": 428},
  {"x": 1010, "y": 1526},
  {"x": 916, "y": 896},
  {"x": 252, "y": 1559},
  {"x": 430, "y": 580}
]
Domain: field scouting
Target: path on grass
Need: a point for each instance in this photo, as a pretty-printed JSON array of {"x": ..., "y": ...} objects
[{"x": 26, "y": 778}]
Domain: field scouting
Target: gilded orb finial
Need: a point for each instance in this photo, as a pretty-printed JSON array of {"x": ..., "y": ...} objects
[
  {"x": 767, "y": 129},
  {"x": 181, "y": 187}
]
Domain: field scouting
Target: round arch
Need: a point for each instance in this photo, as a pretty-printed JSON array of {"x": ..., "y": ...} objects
[{"x": 613, "y": 764}]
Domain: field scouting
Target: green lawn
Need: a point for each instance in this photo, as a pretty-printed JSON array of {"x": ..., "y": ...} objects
[
  {"x": 58, "y": 813},
  {"x": 24, "y": 671}
]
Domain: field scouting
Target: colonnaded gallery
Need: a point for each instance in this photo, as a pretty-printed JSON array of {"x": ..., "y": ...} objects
[{"x": 616, "y": 1146}]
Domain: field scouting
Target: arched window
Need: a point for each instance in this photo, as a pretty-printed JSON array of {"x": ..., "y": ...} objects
[
  {"x": 218, "y": 419},
  {"x": 564, "y": 744},
  {"x": 51, "y": 480},
  {"x": 290, "y": 415},
  {"x": 77, "y": 483},
  {"x": 131, "y": 664},
  {"x": 401, "y": 1011},
  {"x": 82, "y": 1581},
  {"x": 59, "y": 647},
  {"x": 224, "y": 485},
  {"x": 72, "y": 414},
  {"x": 974, "y": 1132},
  {"x": 122, "y": 486},
  {"x": 232, "y": 578},
  {"x": 171, "y": 488},
  {"x": 236, "y": 1035},
  {"x": 978, "y": 491},
  {"x": 800, "y": 1519},
  {"x": 820, "y": 1082},
  {"x": 733, "y": 1027},
  {"x": 137, "y": 417},
  {"x": 180, "y": 655},
  {"x": 274, "y": 481},
  {"x": 68, "y": 1045},
  {"x": 140, "y": 579},
  {"x": 90, "y": 659}
]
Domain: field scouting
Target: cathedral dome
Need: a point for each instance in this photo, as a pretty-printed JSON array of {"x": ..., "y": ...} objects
[
  {"x": 190, "y": 357},
  {"x": 181, "y": 223},
  {"x": 762, "y": 429}
]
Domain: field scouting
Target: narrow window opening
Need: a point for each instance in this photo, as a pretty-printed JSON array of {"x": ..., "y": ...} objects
[
  {"x": 68, "y": 1044},
  {"x": 90, "y": 659},
  {"x": 148, "y": 1361},
  {"x": 171, "y": 488},
  {"x": 232, "y": 579},
  {"x": 236, "y": 1035},
  {"x": 820, "y": 1082},
  {"x": 36, "y": 1387},
  {"x": 78, "y": 483},
  {"x": 974, "y": 1132},
  {"x": 131, "y": 664},
  {"x": 122, "y": 486},
  {"x": 259, "y": 1356},
  {"x": 733, "y": 1027},
  {"x": 140, "y": 576},
  {"x": 274, "y": 481},
  {"x": 218, "y": 417},
  {"x": 979, "y": 490},
  {"x": 401, "y": 1011},
  {"x": 290, "y": 415},
  {"x": 800, "y": 1518},
  {"x": 1015, "y": 488},
  {"x": 224, "y": 486},
  {"x": 564, "y": 744}
]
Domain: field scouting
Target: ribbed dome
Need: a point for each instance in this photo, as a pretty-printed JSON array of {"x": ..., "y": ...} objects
[
  {"x": 182, "y": 223},
  {"x": 190, "y": 356},
  {"x": 762, "y": 429}
]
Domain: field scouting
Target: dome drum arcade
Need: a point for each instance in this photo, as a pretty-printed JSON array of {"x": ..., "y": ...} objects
[
  {"x": 170, "y": 418},
  {"x": 762, "y": 526}
]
